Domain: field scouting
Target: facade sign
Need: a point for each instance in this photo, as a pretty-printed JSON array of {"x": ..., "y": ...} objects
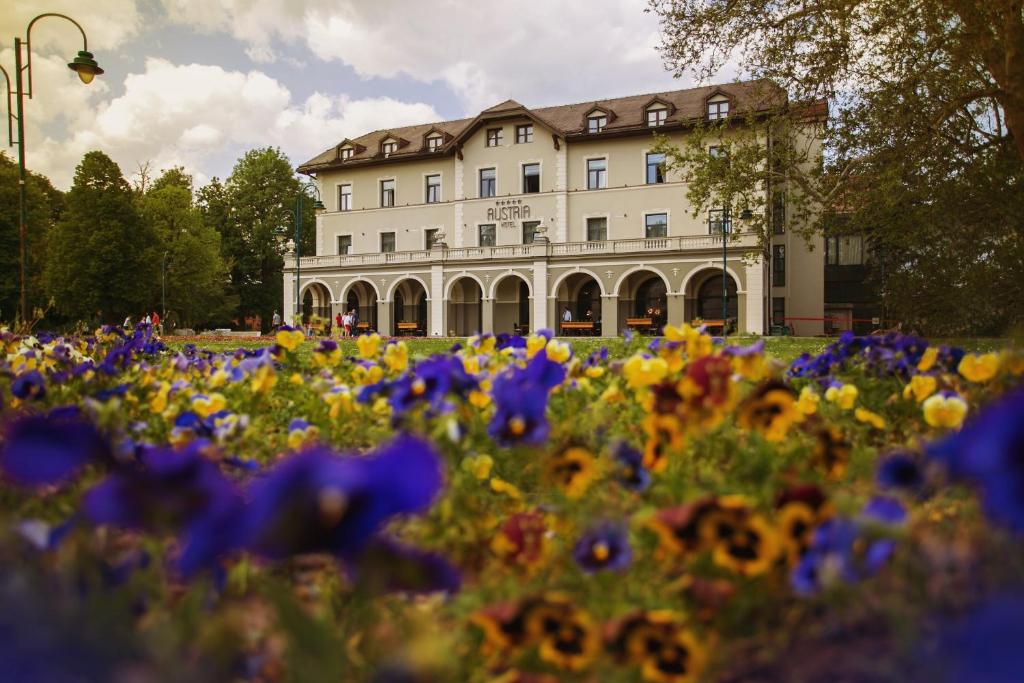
[{"x": 506, "y": 212}]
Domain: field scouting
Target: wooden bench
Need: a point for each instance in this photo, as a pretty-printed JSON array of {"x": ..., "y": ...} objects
[
  {"x": 718, "y": 325},
  {"x": 408, "y": 328},
  {"x": 646, "y": 324},
  {"x": 577, "y": 327},
  {"x": 363, "y": 326}
]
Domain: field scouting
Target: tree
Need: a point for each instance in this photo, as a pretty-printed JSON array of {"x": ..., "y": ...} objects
[
  {"x": 197, "y": 277},
  {"x": 922, "y": 149},
  {"x": 101, "y": 261},
  {"x": 250, "y": 211},
  {"x": 44, "y": 204}
]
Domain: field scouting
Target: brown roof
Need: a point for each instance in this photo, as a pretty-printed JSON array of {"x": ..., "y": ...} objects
[{"x": 567, "y": 120}]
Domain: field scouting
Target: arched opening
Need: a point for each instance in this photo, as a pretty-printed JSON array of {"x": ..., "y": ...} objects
[
  {"x": 709, "y": 299},
  {"x": 362, "y": 299},
  {"x": 512, "y": 306},
  {"x": 410, "y": 308},
  {"x": 644, "y": 296},
  {"x": 316, "y": 304},
  {"x": 465, "y": 307},
  {"x": 579, "y": 294}
]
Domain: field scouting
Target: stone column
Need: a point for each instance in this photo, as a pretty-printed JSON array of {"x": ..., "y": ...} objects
[
  {"x": 676, "y": 309},
  {"x": 754, "y": 318},
  {"x": 609, "y": 315},
  {"x": 487, "y": 308},
  {"x": 540, "y": 284},
  {"x": 436, "y": 313},
  {"x": 384, "y": 318}
]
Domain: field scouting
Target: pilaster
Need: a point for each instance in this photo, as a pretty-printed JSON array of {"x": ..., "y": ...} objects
[
  {"x": 609, "y": 315},
  {"x": 384, "y": 318},
  {"x": 487, "y": 324},
  {"x": 676, "y": 309},
  {"x": 437, "y": 300},
  {"x": 754, "y": 318},
  {"x": 540, "y": 288}
]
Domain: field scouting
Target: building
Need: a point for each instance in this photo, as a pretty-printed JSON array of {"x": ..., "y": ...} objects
[{"x": 521, "y": 218}]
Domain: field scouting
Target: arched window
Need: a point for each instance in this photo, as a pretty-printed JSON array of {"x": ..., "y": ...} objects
[
  {"x": 651, "y": 300},
  {"x": 709, "y": 299}
]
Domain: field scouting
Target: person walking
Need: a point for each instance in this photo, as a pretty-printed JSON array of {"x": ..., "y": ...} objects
[
  {"x": 346, "y": 322},
  {"x": 156, "y": 324},
  {"x": 339, "y": 323},
  {"x": 275, "y": 322}
]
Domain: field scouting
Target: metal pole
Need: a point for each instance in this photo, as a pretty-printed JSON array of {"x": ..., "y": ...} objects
[
  {"x": 22, "y": 208},
  {"x": 163, "y": 286},
  {"x": 725, "y": 274},
  {"x": 298, "y": 247}
]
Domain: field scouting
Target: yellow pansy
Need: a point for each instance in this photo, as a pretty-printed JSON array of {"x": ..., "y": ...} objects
[
  {"x": 290, "y": 339},
  {"x": 594, "y": 371},
  {"x": 808, "y": 401},
  {"x": 338, "y": 398},
  {"x": 396, "y": 356},
  {"x": 642, "y": 372},
  {"x": 920, "y": 387},
  {"x": 558, "y": 351},
  {"x": 208, "y": 405},
  {"x": 979, "y": 367},
  {"x": 483, "y": 343},
  {"x": 928, "y": 358},
  {"x": 369, "y": 345},
  {"x": 868, "y": 417},
  {"x": 535, "y": 343},
  {"x": 218, "y": 379},
  {"x": 499, "y": 485},
  {"x": 612, "y": 394},
  {"x": 158, "y": 403},
  {"x": 326, "y": 359},
  {"x": 945, "y": 411},
  {"x": 1013, "y": 362},
  {"x": 367, "y": 375},
  {"x": 471, "y": 364},
  {"x": 479, "y": 466},
  {"x": 263, "y": 380},
  {"x": 297, "y": 379},
  {"x": 844, "y": 396}
]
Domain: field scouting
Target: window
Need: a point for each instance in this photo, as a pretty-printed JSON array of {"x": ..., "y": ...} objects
[
  {"x": 844, "y": 250},
  {"x": 488, "y": 182},
  {"x": 524, "y": 133},
  {"x": 597, "y": 173},
  {"x": 388, "y": 148},
  {"x": 531, "y": 178},
  {"x": 530, "y": 231},
  {"x": 779, "y": 213},
  {"x": 344, "y": 197},
  {"x": 778, "y": 310},
  {"x": 487, "y": 236},
  {"x": 718, "y": 152},
  {"x": 655, "y": 168},
  {"x": 597, "y": 229},
  {"x": 434, "y": 143},
  {"x": 779, "y": 265},
  {"x": 656, "y": 225},
  {"x": 494, "y": 137},
  {"x": 346, "y": 153},
  {"x": 387, "y": 192},
  {"x": 387, "y": 241},
  {"x": 433, "y": 189},
  {"x": 596, "y": 123},
  {"x": 344, "y": 244},
  {"x": 656, "y": 117},
  {"x": 428, "y": 237},
  {"x": 718, "y": 110},
  {"x": 719, "y": 222}
]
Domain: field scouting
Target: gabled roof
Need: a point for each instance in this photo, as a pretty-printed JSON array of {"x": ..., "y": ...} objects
[{"x": 567, "y": 120}]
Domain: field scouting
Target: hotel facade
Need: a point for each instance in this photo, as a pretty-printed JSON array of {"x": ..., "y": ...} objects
[{"x": 520, "y": 219}]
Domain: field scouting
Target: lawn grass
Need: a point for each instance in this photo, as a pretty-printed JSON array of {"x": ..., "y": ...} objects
[{"x": 784, "y": 348}]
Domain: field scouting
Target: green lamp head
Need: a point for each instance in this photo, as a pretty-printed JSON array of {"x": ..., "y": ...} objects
[{"x": 85, "y": 66}]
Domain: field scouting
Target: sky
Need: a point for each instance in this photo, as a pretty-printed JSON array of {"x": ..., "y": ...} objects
[{"x": 196, "y": 83}]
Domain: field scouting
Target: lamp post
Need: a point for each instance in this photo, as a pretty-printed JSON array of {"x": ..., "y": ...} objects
[
  {"x": 745, "y": 215},
  {"x": 318, "y": 206},
  {"x": 163, "y": 287},
  {"x": 86, "y": 68}
]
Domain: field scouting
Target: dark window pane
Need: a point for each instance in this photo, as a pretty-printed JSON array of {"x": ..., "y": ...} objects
[
  {"x": 387, "y": 241},
  {"x": 655, "y": 168},
  {"x": 530, "y": 231},
  {"x": 719, "y": 222},
  {"x": 428, "y": 237},
  {"x": 345, "y": 244},
  {"x": 524, "y": 134},
  {"x": 531, "y": 178},
  {"x": 488, "y": 185},
  {"x": 597, "y": 229},
  {"x": 597, "y": 174},
  {"x": 433, "y": 189},
  {"x": 778, "y": 265},
  {"x": 387, "y": 193},
  {"x": 487, "y": 235},
  {"x": 656, "y": 225},
  {"x": 344, "y": 198}
]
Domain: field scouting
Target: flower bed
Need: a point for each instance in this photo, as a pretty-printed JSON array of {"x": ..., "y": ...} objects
[{"x": 507, "y": 510}]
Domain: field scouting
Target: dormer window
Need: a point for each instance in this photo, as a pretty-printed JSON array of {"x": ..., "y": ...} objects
[
  {"x": 718, "y": 108},
  {"x": 596, "y": 122},
  {"x": 346, "y": 153},
  {"x": 434, "y": 143},
  {"x": 656, "y": 116},
  {"x": 388, "y": 148}
]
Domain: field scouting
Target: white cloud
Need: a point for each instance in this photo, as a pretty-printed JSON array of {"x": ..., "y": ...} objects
[
  {"x": 107, "y": 23},
  {"x": 536, "y": 51},
  {"x": 201, "y": 117}
]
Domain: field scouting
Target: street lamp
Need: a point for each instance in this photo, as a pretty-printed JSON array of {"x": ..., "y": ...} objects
[
  {"x": 86, "y": 68},
  {"x": 318, "y": 206}
]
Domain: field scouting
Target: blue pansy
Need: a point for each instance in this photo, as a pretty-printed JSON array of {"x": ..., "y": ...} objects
[
  {"x": 29, "y": 386},
  {"x": 521, "y": 398},
  {"x": 41, "y": 450},
  {"x": 900, "y": 471},
  {"x": 603, "y": 547},
  {"x": 322, "y": 502},
  {"x": 632, "y": 473}
]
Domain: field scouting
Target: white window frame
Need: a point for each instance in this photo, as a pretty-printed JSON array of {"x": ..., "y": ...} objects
[
  {"x": 522, "y": 175},
  {"x": 440, "y": 175},
  {"x": 385, "y": 143},
  {"x": 597, "y": 114},
  {"x": 440, "y": 142},
  {"x": 586, "y": 171},
  {"x": 607, "y": 226},
  {"x": 337, "y": 242},
  {"x": 347, "y": 153},
  {"x": 380, "y": 241},
  {"x": 652, "y": 212},
  {"x": 655, "y": 108},
  {"x": 717, "y": 99}
]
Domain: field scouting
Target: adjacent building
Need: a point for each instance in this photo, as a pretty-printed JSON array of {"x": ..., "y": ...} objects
[{"x": 524, "y": 218}]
